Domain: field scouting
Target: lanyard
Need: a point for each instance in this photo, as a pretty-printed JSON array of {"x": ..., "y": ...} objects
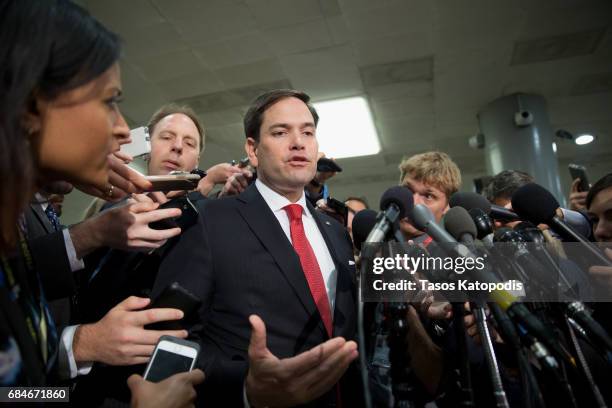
[{"x": 35, "y": 315}]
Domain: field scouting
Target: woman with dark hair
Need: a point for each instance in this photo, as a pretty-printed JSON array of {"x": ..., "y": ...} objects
[{"x": 59, "y": 88}]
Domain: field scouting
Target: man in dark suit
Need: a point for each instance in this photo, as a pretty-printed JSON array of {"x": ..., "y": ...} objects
[{"x": 267, "y": 256}]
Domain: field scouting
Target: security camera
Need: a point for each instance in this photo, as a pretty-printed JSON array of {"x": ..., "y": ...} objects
[{"x": 523, "y": 118}]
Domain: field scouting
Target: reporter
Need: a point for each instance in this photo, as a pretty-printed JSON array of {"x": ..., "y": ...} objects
[{"x": 61, "y": 82}]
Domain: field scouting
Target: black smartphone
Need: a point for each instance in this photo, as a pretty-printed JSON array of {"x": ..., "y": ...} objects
[
  {"x": 579, "y": 171},
  {"x": 340, "y": 209},
  {"x": 176, "y": 297},
  {"x": 188, "y": 217},
  {"x": 328, "y": 165}
]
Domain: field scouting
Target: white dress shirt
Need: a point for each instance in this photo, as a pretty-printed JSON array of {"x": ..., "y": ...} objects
[{"x": 277, "y": 202}]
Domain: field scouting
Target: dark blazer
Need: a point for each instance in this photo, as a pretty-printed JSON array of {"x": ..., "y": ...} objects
[
  {"x": 51, "y": 261},
  {"x": 240, "y": 262}
]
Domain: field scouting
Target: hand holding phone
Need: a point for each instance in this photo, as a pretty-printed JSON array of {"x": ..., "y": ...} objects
[
  {"x": 174, "y": 296},
  {"x": 171, "y": 356},
  {"x": 188, "y": 217}
]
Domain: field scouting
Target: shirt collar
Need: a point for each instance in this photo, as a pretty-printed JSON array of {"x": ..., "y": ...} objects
[
  {"x": 41, "y": 200},
  {"x": 277, "y": 202}
]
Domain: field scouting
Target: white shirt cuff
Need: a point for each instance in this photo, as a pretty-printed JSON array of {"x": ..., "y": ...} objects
[
  {"x": 68, "y": 366},
  {"x": 76, "y": 264},
  {"x": 245, "y": 400}
]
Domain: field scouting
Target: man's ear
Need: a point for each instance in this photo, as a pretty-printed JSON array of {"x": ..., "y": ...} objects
[{"x": 250, "y": 147}]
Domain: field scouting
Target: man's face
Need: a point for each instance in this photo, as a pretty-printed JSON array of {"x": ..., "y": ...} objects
[
  {"x": 175, "y": 145},
  {"x": 428, "y": 195},
  {"x": 286, "y": 154},
  {"x": 354, "y": 207},
  {"x": 600, "y": 213}
]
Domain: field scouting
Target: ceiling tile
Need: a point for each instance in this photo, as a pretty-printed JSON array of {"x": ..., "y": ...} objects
[
  {"x": 238, "y": 50},
  {"x": 168, "y": 66},
  {"x": 197, "y": 83},
  {"x": 284, "y": 13},
  {"x": 300, "y": 37},
  {"x": 236, "y": 76}
]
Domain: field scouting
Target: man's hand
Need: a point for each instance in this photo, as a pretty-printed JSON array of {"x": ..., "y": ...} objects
[
  {"x": 217, "y": 174},
  {"x": 577, "y": 199},
  {"x": 469, "y": 321},
  {"x": 124, "y": 227},
  {"x": 237, "y": 183},
  {"x": 176, "y": 391},
  {"x": 296, "y": 380},
  {"x": 603, "y": 274},
  {"x": 119, "y": 338}
]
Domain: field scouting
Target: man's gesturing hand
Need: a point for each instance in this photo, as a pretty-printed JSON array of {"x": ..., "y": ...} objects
[{"x": 291, "y": 381}]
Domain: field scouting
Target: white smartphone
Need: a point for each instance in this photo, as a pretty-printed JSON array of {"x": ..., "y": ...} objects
[
  {"x": 140, "y": 144},
  {"x": 171, "y": 356}
]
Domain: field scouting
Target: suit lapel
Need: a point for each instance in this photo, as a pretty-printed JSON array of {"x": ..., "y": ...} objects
[
  {"x": 42, "y": 217},
  {"x": 265, "y": 226},
  {"x": 343, "y": 277}
]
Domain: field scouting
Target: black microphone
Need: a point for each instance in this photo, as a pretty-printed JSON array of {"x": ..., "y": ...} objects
[
  {"x": 395, "y": 204},
  {"x": 363, "y": 222},
  {"x": 483, "y": 223},
  {"x": 459, "y": 224},
  {"x": 470, "y": 200},
  {"x": 536, "y": 204},
  {"x": 425, "y": 221}
]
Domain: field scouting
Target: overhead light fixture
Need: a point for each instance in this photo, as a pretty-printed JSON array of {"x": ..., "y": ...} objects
[
  {"x": 346, "y": 128},
  {"x": 554, "y": 147},
  {"x": 584, "y": 139}
]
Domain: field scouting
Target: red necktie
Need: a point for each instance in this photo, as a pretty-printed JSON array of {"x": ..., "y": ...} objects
[{"x": 309, "y": 264}]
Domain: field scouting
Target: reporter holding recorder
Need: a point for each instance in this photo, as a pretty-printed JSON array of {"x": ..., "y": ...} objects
[{"x": 60, "y": 67}]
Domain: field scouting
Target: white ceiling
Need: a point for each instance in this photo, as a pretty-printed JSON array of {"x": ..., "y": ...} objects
[{"x": 426, "y": 66}]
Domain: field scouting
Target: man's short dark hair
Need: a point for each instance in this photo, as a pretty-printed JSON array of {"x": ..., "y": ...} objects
[
  {"x": 601, "y": 184},
  {"x": 362, "y": 200},
  {"x": 254, "y": 116},
  {"x": 505, "y": 183}
]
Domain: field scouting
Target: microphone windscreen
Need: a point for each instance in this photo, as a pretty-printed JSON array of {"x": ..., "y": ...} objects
[
  {"x": 363, "y": 222},
  {"x": 458, "y": 222},
  {"x": 523, "y": 225},
  {"x": 401, "y": 197},
  {"x": 421, "y": 216},
  {"x": 503, "y": 234},
  {"x": 534, "y": 203},
  {"x": 469, "y": 201}
]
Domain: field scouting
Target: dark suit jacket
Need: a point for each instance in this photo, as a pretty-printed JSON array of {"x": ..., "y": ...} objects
[
  {"x": 240, "y": 262},
  {"x": 51, "y": 261}
]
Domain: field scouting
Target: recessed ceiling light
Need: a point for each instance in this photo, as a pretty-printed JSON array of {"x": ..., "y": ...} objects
[
  {"x": 346, "y": 128},
  {"x": 554, "y": 147},
  {"x": 584, "y": 139}
]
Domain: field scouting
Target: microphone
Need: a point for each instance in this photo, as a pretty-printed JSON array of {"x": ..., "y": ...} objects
[
  {"x": 536, "y": 204},
  {"x": 459, "y": 224},
  {"x": 363, "y": 222},
  {"x": 424, "y": 220},
  {"x": 395, "y": 204},
  {"x": 483, "y": 223},
  {"x": 469, "y": 200}
]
